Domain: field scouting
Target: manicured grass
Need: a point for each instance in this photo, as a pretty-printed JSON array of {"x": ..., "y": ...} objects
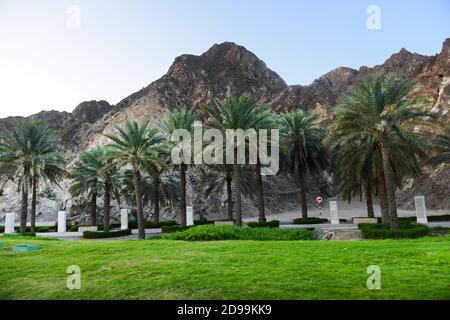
[{"x": 168, "y": 269}]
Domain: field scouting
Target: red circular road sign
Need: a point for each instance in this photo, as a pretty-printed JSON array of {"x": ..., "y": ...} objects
[{"x": 319, "y": 200}]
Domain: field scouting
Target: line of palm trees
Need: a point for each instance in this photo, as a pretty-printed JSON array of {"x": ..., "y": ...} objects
[{"x": 377, "y": 139}]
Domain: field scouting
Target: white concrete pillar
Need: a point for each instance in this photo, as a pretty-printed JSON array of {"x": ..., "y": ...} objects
[
  {"x": 189, "y": 216},
  {"x": 9, "y": 222},
  {"x": 61, "y": 221},
  {"x": 334, "y": 212},
  {"x": 421, "y": 210},
  {"x": 124, "y": 219}
]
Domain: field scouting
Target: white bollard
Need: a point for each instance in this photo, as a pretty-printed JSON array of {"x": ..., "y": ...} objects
[
  {"x": 124, "y": 219},
  {"x": 9, "y": 222},
  {"x": 61, "y": 221},
  {"x": 189, "y": 216},
  {"x": 334, "y": 212},
  {"x": 421, "y": 210}
]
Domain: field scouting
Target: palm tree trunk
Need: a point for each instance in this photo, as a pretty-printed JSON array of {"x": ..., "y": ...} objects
[
  {"x": 24, "y": 206},
  {"x": 229, "y": 198},
  {"x": 156, "y": 213},
  {"x": 237, "y": 190},
  {"x": 138, "y": 195},
  {"x": 183, "y": 219},
  {"x": 383, "y": 200},
  {"x": 390, "y": 186},
  {"x": 369, "y": 200},
  {"x": 107, "y": 206},
  {"x": 94, "y": 208},
  {"x": 303, "y": 201},
  {"x": 260, "y": 193},
  {"x": 33, "y": 204}
]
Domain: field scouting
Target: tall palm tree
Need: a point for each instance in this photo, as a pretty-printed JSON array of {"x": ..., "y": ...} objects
[
  {"x": 268, "y": 123},
  {"x": 163, "y": 187},
  {"x": 22, "y": 152},
  {"x": 180, "y": 119},
  {"x": 219, "y": 177},
  {"x": 48, "y": 164},
  {"x": 234, "y": 113},
  {"x": 136, "y": 145},
  {"x": 86, "y": 175},
  {"x": 377, "y": 110},
  {"x": 302, "y": 139}
]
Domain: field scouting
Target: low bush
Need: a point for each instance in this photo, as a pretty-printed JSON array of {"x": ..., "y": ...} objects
[
  {"x": 202, "y": 222},
  {"x": 104, "y": 235},
  {"x": 172, "y": 229},
  {"x": 439, "y": 231},
  {"x": 311, "y": 220},
  {"x": 445, "y": 217},
  {"x": 382, "y": 231},
  {"x": 224, "y": 232},
  {"x": 28, "y": 229},
  {"x": 151, "y": 224},
  {"x": 268, "y": 224}
]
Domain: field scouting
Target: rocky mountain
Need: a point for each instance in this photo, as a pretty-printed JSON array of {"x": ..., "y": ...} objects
[{"x": 193, "y": 81}]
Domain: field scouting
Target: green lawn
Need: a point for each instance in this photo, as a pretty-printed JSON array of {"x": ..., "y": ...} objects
[{"x": 164, "y": 269}]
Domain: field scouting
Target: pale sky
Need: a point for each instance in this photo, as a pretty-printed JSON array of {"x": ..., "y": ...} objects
[{"x": 53, "y": 58}]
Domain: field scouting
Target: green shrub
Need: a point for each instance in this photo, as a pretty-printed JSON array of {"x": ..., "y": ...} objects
[
  {"x": 224, "y": 232},
  {"x": 439, "y": 231},
  {"x": 151, "y": 224},
  {"x": 28, "y": 229},
  {"x": 103, "y": 235},
  {"x": 268, "y": 224},
  {"x": 445, "y": 217},
  {"x": 202, "y": 222},
  {"x": 311, "y": 220},
  {"x": 382, "y": 231},
  {"x": 172, "y": 229}
]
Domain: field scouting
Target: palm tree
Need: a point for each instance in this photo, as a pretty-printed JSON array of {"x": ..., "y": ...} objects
[
  {"x": 443, "y": 146},
  {"x": 377, "y": 110},
  {"x": 136, "y": 145},
  {"x": 268, "y": 123},
  {"x": 23, "y": 151},
  {"x": 48, "y": 164},
  {"x": 302, "y": 139},
  {"x": 161, "y": 188},
  {"x": 234, "y": 113},
  {"x": 219, "y": 177},
  {"x": 86, "y": 175},
  {"x": 180, "y": 119}
]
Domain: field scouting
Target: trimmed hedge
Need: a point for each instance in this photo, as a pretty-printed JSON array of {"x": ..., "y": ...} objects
[
  {"x": 267, "y": 224},
  {"x": 28, "y": 229},
  {"x": 151, "y": 224},
  {"x": 382, "y": 231},
  {"x": 172, "y": 229},
  {"x": 311, "y": 220},
  {"x": 131, "y": 225},
  {"x": 224, "y": 232},
  {"x": 445, "y": 217},
  {"x": 104, "y": 235},
  {"x": 202, "y": 222}
]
